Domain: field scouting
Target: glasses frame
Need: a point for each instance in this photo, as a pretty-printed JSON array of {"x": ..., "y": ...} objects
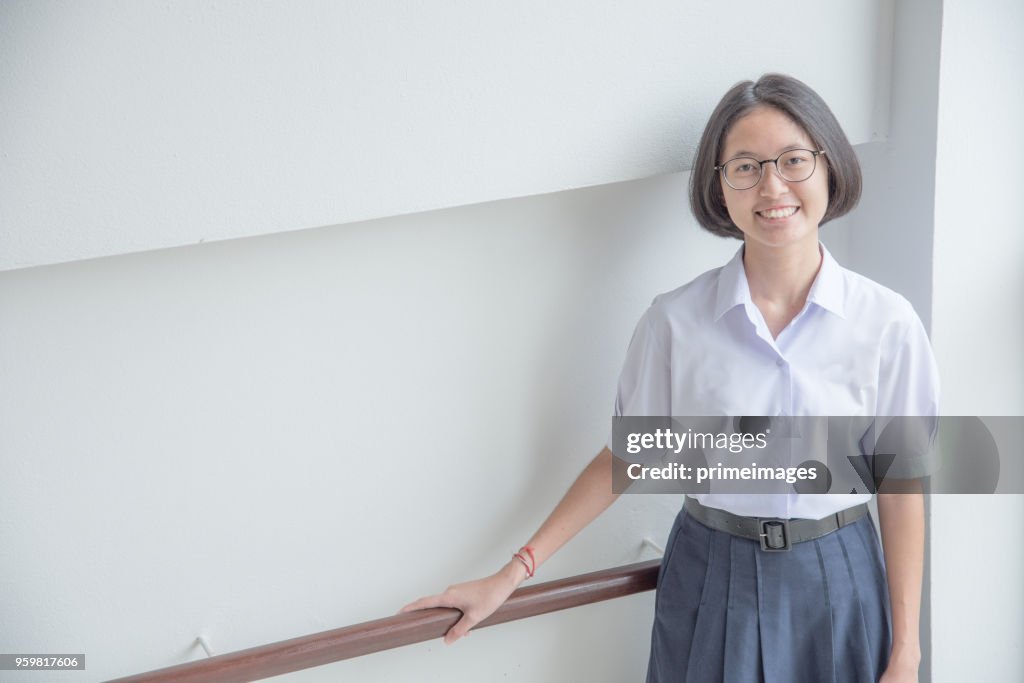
[{"x": 762, "y": 162}]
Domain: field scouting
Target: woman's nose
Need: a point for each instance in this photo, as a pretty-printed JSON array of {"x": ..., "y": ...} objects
[{"x": 771, "y": 182}]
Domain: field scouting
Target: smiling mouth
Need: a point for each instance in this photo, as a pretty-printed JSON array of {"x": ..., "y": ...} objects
[{"x": 778, "y": 214}]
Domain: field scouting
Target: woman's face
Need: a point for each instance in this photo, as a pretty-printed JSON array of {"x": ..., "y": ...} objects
[{"x": 765, "y": 133}]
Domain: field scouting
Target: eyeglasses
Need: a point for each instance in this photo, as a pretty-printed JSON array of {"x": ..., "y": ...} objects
[{"x": 795, "y": 166}]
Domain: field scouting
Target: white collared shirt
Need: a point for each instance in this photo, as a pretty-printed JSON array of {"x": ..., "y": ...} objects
[{"x": 856, "y": 348}]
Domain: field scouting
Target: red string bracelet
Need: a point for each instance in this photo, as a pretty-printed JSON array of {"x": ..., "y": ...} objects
[
  {"x": 525, "y": 564},
  {"x": 531, "y": 566}
]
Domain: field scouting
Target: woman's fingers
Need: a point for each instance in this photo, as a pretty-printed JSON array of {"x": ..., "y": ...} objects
[
  {"x": 460, "y": 629},
  {"x": 425, "y": 603}
]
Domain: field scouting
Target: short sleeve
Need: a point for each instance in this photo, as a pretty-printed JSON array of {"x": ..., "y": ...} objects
[
  {"x": 908, "y": 375},
  {"x": 908, "y": 402},
  {"x": 645, "y": 382}
]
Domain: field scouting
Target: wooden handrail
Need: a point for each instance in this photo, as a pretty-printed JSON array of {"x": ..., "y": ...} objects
[{"x": 325, "y": 647}]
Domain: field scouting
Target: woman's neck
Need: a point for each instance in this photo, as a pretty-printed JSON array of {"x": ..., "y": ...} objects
[{"x": 781, "y": 278}]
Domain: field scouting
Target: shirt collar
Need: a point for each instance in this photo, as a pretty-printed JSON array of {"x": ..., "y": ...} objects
[
  {"x": 827, "y": 291},
  {"x": 733, "y": 289}
]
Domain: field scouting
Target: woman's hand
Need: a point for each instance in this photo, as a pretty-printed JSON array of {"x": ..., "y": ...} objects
[
  {"x": 900, "y": 670},
  {"x": 476, "y": 599}
]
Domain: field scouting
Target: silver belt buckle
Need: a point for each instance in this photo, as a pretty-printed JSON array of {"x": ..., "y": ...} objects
[{"x": 774, "y": 534}]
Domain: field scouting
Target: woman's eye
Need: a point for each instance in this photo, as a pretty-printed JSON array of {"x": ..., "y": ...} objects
[
  {"x": 795, "y": 161},
  {"x": 745, "y": 168}
]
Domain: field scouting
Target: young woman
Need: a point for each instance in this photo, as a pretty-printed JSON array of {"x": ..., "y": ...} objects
[{"x": 782, "y": 329}]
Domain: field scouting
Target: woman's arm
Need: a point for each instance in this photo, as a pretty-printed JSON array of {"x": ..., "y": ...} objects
[
  {"x": 901, "y": 517},
  {"x": 587, "y": 498}
]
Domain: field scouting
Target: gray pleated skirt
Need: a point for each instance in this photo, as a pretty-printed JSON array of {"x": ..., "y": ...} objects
[{"x": 727, "y": 611}]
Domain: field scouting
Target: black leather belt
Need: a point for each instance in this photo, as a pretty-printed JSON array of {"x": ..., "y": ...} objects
[{"x": 774, "y": 533}]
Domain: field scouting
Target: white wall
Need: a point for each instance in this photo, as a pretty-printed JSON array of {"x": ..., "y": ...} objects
[
  {"x": 891, "y": 235},
  {"x": 978, "y": 332},
  {"x": 129, "y": 126}
]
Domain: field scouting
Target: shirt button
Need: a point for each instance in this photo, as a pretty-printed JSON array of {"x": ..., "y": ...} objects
[{"x": 780, "y": 363}]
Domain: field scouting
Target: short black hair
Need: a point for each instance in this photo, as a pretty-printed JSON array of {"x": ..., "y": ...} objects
[{"x": 799, "y": 102}]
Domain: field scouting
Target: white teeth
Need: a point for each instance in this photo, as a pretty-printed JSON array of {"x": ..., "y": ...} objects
[{"x": 779, "y": 213}]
